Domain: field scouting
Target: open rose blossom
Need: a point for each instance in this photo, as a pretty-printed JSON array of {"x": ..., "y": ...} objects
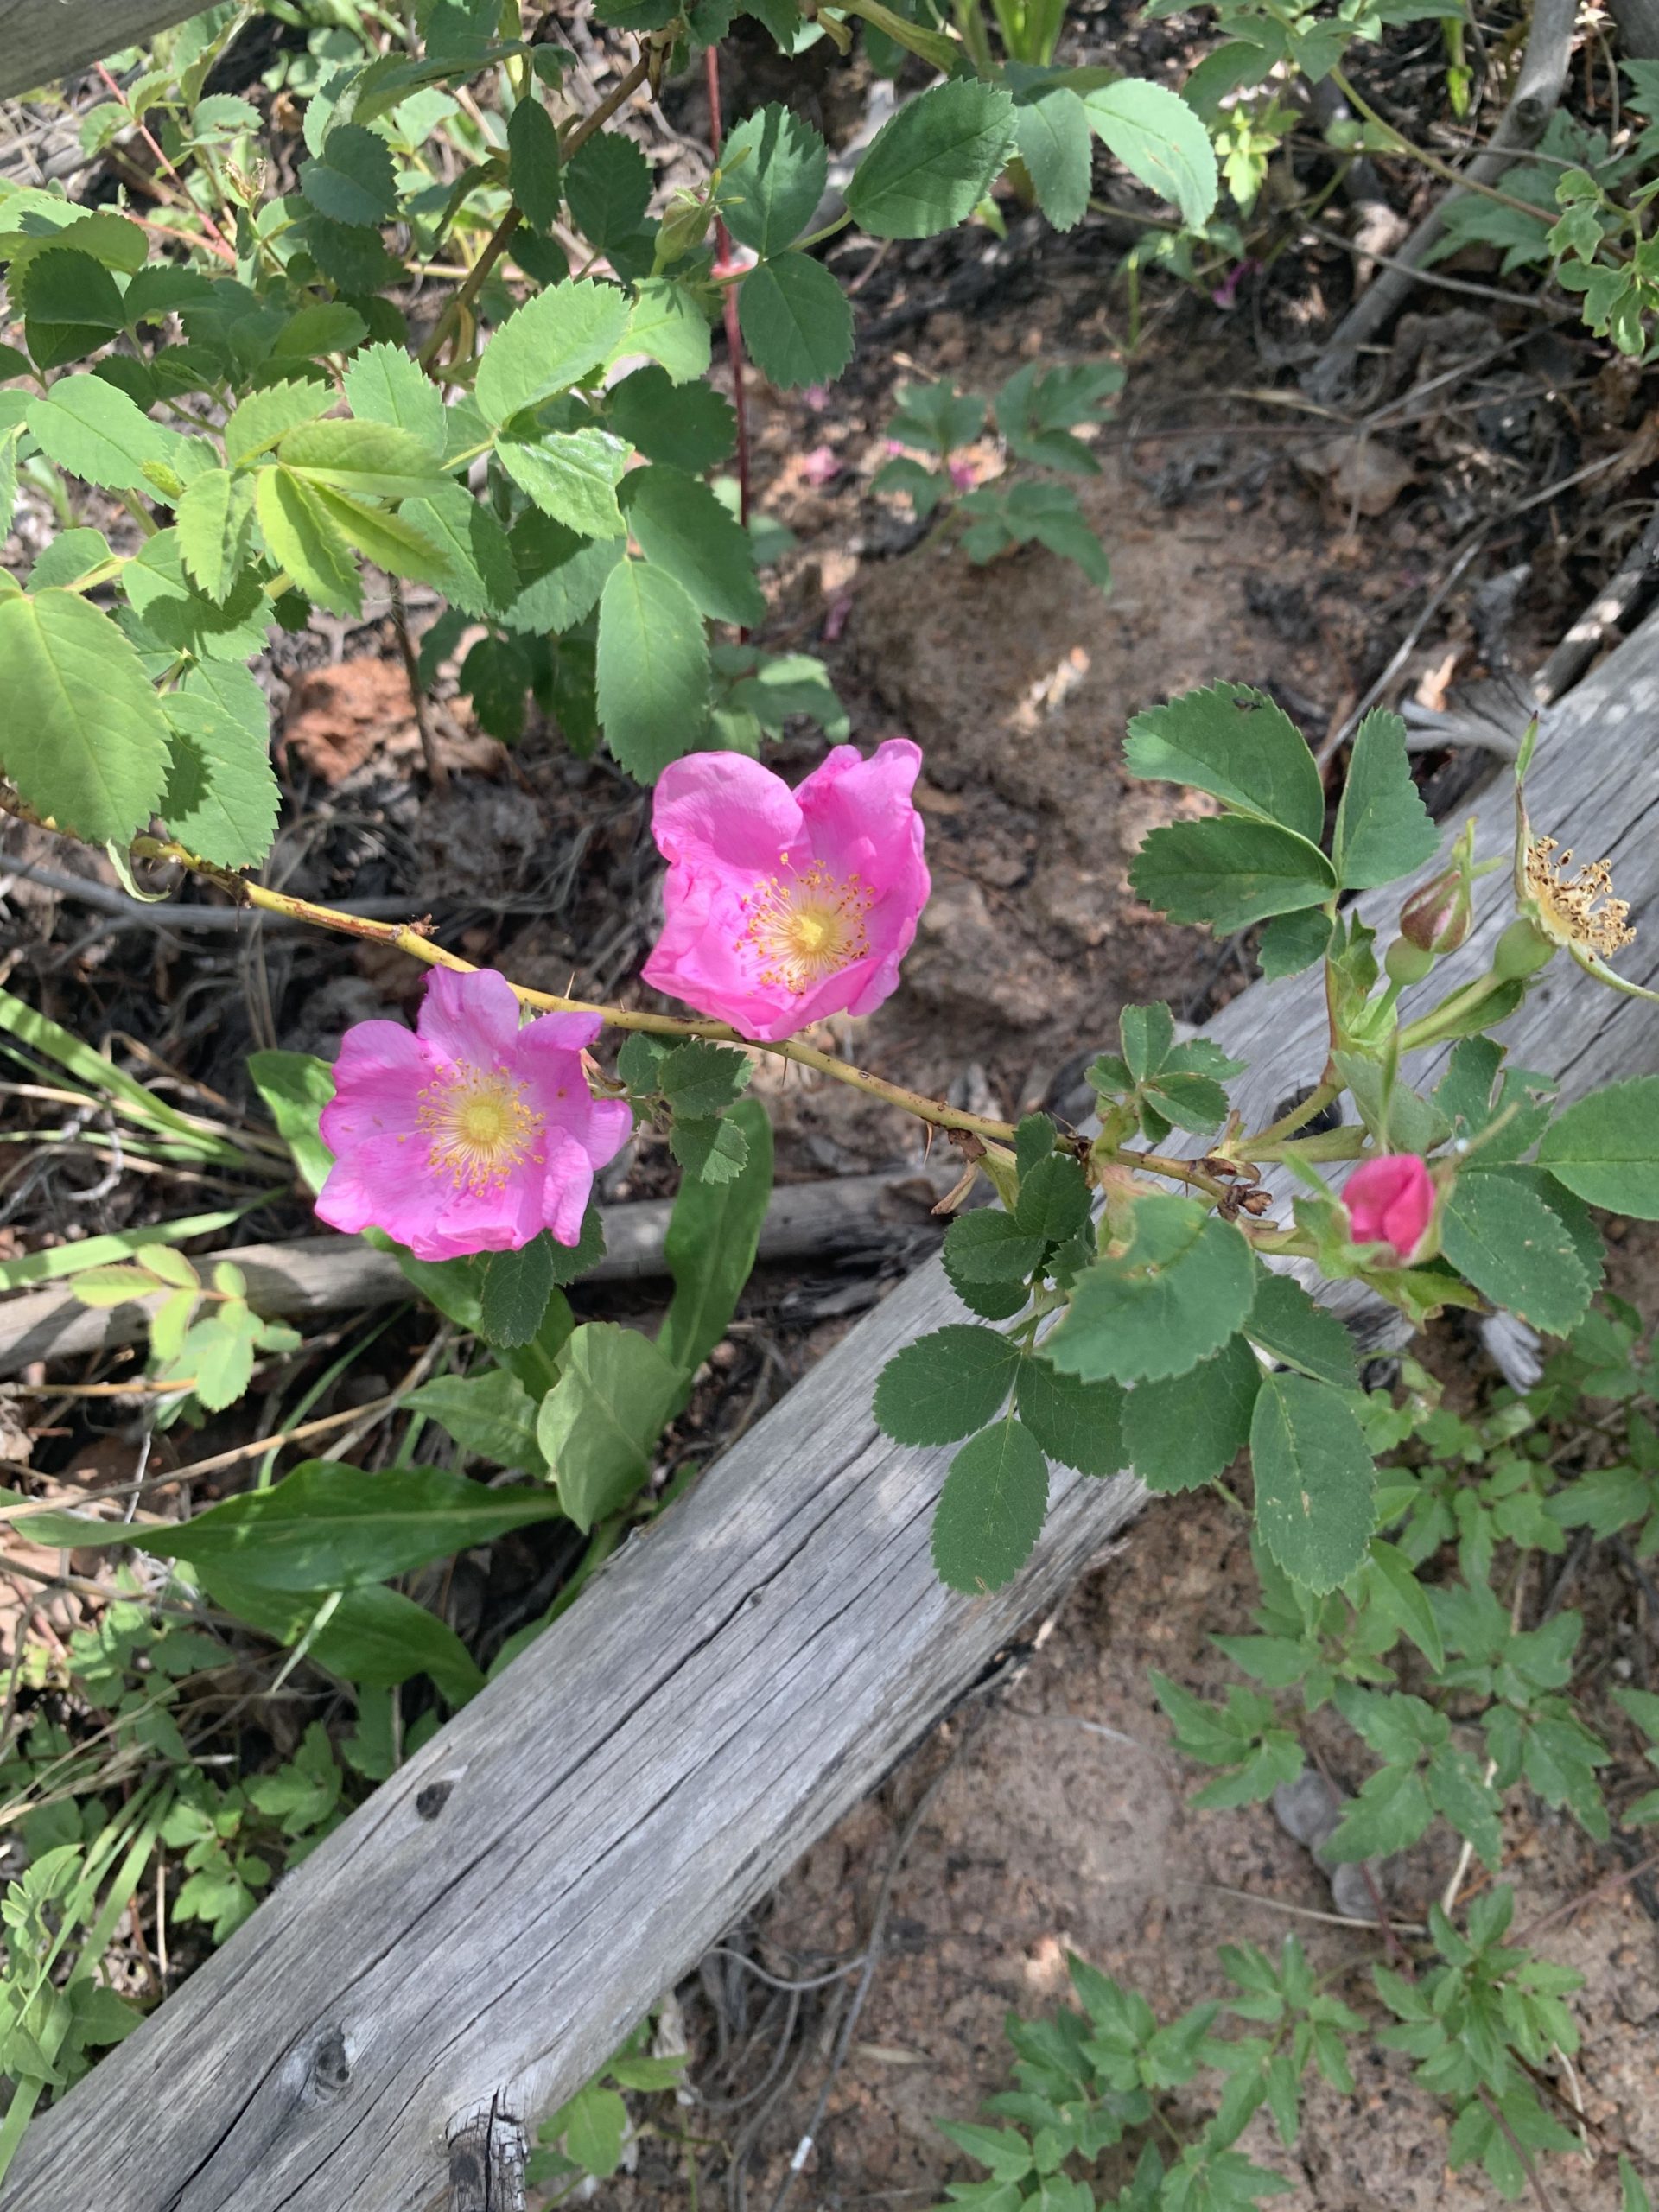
[
  {"x": 1390, "y": 1201},
  {"x": 783, "y": 906},
  {"x": 469, "y": 1134}
]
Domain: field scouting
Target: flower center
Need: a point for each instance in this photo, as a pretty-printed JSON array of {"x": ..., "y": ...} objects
[
  {"x": 478, "y": 1125},
  {"x": 805, "y": 926},
  {"x": 1578, "y": 910}
]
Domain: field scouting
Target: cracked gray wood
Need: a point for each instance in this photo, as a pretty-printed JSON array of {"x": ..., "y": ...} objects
[
  {"x": 499, "y": 1915},
  {"x": 41, "y": 41}
]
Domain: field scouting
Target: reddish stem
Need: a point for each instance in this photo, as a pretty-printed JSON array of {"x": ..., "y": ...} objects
[
  {"x": 722, "y": 263},
  {"x": 225, "y": 249}
]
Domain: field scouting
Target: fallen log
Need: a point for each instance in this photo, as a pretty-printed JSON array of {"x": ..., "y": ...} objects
[
  {"x": 482, "y": 1933},
  {"x": 823, "y": 1221}
]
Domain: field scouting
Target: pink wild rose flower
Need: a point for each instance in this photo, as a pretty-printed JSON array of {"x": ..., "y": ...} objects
[
  {"x": 1390, "y": 1201},
  {"x": 467, "y": 1134},
  {"x": 783, "y": 906}
]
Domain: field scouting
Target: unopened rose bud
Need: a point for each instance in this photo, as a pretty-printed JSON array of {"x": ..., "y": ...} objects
[{"x": 1436, "y": 918}]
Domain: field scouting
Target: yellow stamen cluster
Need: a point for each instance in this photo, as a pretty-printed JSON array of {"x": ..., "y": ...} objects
[
  {"x": 1578, "y": 910},
  {"x": 803, "y": 926},
  {"x": 479, "y": 1127}
]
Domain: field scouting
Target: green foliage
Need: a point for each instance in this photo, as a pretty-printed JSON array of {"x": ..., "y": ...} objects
[{"x": 586, "y": 2136}]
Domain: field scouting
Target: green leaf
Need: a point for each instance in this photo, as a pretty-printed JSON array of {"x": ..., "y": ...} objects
[
  {"x": 986, "y": 1246},
  {"x": 563, "y": 574},
  {"x": 682, "y": 530},
  {"x": 491, "y": 1414},
  {"x": 221, "y": 798},
  {"x": 305, "y": 541},
  {"x": 1006, "y": 2155},
  {"x": 260, "y": 421},
  {"x": 1236, "y": 744},
  {"x": 713, "y": 1234},
  {"x": 547, "y": 345},
  {"x": 517, "y": 1286},
  {"x": 1051, "y": 135},
  {"x": 61, "y": 285},
  {"x": 72, "y": 555},
  {"x": 390, "y": 541},
  {"x": 699, "y": 1077},
  {"x": 991, "y": 1511},
  {"x": 1184, "y": 1286},
  {"x": 607, "y": 185},
  {"x": 1079, "y": 1424},
  {"x": 795, "y": 321},
  {"x": 1383, "y": 830},
  {"x": 296, "y": 1087},
  {"x": 352, "y": 180},
  {"x": 383, "y": 384},
  {"x": 328, "y": 1527},
  {"x": 1515, "y": 1251},
  {"x": 533, "y": 164},
  {"x": 1291, "y": 942},
  {"x": 599, "y": 1427},
  {"x": 1053, "y": 1201},
  {"x": 711, "y": 1148},
  {"x": 774, "y": 169},
  {"x": 1146, "y": 1034},
  {"x": 1158, "y": 139},
  {"x": 82, "y": 736},
  {"x": 987, "y": 1261},
  {"x": 1230, "y": 873},
  {"x": 213, "y": 521},
  {"x": 1185, "y": 1431},
  {"x": 368, "y": 460},
  {"x": 1284, "y": 1320},
  {"x": 479, "y": 573},
  {"x": 690, "y": 427},
  {"x": 653, "y": 669},
  {"x": 667, "y": 323},
  {"x": 931, "y": 163},
  {"x": 571, "y": 475},
  {"x": 97, "y": 433},
  {"x": 1606, "y": 1147},
  {"x": 1398, "y": 1594},
  {"x": 374, "y": 1638},
  {"x": 1314, "y": 1480},
  {"x": 592, "y": 2127},
  {"x": 945, "y": 1385}
]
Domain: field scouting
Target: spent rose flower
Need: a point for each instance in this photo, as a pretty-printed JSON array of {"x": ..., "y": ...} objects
[
  {"x": 466, "y": 1134},
  {"x": 1390, "y": 1201},
  {"x": 783, "y": 906}
]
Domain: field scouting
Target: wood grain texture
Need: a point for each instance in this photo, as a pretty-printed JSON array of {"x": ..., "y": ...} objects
[
  {"x": 825, "y": 1222},
  {"x": 500, "y": 1914},
  {"x": 41, "y": 41}
]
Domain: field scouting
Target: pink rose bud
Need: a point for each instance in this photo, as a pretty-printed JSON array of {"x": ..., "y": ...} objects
[
  {"x": 782, "y": 907},
  {"x": 1390, "y": 1201},
  {"x": 962, "y": 474},
  {"x": 467, "y": 1134},
  {"x": 821, "y": 466}
]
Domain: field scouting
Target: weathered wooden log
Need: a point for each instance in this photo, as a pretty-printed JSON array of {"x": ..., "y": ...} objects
[
  {"x": 823, "y": 1222},
  {"x": 41, "y": 41},
  {"x": 483, "y": 1932}
]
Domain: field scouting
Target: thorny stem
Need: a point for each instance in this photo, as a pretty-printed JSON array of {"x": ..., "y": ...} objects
[
  {"x": 410, "y": 938},
  {"x": 461, "y": 303}
]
